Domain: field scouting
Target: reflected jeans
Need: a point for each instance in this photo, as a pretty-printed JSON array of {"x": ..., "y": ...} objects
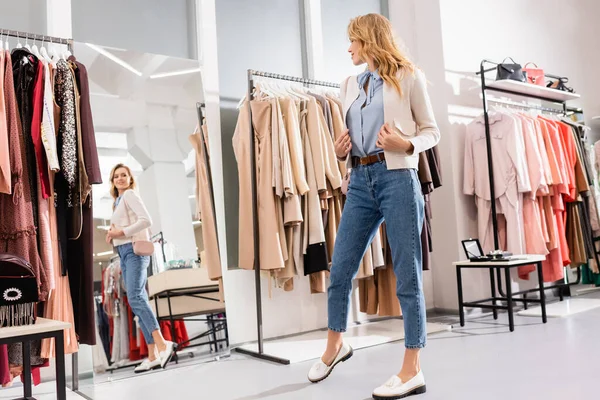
[
  {"x": 135, "y": 274},
  {"x": 376, "y": 194}
]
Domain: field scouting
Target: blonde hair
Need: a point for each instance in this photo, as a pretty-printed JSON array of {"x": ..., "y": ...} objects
[
  {"x": 375, "y": 34},
  {"x": 114, "y": 192}
]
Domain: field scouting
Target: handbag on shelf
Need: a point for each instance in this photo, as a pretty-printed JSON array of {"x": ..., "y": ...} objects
[
  {"x": 18, "y": 292},
  {"x": 560, "y": 84},
  {"x": 512, "y": 71},
  {"x": 535, "y": 75}
]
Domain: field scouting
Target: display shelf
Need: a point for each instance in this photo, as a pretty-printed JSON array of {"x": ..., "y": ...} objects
[{"x": 530, "y": 90}]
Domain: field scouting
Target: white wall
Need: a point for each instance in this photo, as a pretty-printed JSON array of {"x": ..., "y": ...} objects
[
  {"x": 23, "y": 15},
  {"x": 149, "y": 26},
  {"x": 448, "y": 39}
]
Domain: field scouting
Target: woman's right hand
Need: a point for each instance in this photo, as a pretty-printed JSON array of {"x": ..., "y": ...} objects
[{"x": 343, "y": 145}]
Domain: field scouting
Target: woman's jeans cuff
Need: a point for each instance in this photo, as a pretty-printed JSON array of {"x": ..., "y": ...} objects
[{"x": 338, "y": 330}]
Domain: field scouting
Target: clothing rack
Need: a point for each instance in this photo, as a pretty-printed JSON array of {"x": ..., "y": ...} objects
[
  {"x": 259, "y": 317},
  {"x": 69, "y": 44},
  {"x": 562, "y": 287},
  {"x": 35, "y": 36}
]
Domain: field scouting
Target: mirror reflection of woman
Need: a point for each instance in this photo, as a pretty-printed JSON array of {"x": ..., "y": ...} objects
[
  {"x": 390, "y": 121},
  {"x": 129, "y": 218}
]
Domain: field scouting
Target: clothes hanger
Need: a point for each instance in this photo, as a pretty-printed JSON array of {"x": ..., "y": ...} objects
[
  {"x": 67, "y": 53},
  {"x": 36, "y": 51},
  {"x": 19, "y": 45},
  {"x": 45, "y": 53},
  {"x": 54, "y": 53},
  {"x": 27, "y": 46}
]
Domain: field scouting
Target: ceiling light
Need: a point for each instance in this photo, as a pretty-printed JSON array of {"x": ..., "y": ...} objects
[
  {"x": 192, "y": 196},
  {"x": 175, "y": 73},
  {"x": 114, "y": 58},
  {"x": 105, "y": 253}
]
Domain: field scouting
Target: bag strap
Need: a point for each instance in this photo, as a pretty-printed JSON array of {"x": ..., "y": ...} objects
[
  {"x": 509, "y": 58},
  {"x": 534, "y": 64}
]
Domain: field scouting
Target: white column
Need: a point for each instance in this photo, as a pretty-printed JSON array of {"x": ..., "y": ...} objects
[
  {"x": 163, "y": 186},
  {"x": 314, "y": 38},
  {"x": 418, "y": 23},
  {"x": 206, "y": 20}
]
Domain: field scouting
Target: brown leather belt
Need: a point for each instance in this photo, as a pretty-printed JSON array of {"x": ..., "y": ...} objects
[{"x": 372, "y": 159}]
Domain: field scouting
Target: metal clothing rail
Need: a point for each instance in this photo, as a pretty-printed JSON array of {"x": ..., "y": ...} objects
[
  {"x": 259, "y": 317},
  {"x": 35, "y": 36},
  {"x": 280, "y": 77},
  {"x": 527, "y": 106},
  {"x": 563, "y": 287}
]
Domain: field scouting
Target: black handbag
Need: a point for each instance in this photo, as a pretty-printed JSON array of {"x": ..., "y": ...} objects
[
  {"x": 18, "y": 291},
  {"x": 512, "y": 71},
  {"x": 316, "y": 259},
  {"x": 559, "y": 83}
]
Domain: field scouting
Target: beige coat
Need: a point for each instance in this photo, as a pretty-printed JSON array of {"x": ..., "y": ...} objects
[
  {"x": 204, "y": 206},
  {"x": 292, "y": 129},
  {"x": 271, "y": 256}
]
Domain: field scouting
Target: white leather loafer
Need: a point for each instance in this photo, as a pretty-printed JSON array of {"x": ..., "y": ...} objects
[
  {"x": 395, "y": 389},
  {"x": 165, "y": 356},
  {"x": 147, "y": 365},
  {"x": 320, "y": 370}
]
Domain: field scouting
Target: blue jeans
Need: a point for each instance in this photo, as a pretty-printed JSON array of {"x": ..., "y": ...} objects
[
  {"x": 376, "y": 194},
  {"x": 135, "y": 274}
]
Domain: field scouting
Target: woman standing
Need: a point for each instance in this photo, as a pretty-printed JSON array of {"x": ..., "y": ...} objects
[
  {"x": 390, "y": 121},
  {"x": 129, "y": 218}
]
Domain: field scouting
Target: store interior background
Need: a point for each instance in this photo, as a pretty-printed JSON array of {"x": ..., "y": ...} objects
[{"x": 446, "y": 38}]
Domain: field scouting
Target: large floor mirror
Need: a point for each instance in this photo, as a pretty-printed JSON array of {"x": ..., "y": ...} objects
[{"x": 147, "y": 112}]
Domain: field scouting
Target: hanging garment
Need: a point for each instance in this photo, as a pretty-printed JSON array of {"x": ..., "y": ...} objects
[
  {"x": 80, "y": 262},
  {"x": 205, "y": 203},
  {"x": 65, "y": 97},
  {"x": 17, "y": 228},
  {"x": 36, "y": 131},
  {"x": 60, "y": 304},
  {"x": 510, "y": 173},
  {"x": 24, "y": 69},
  {"x": 5, "y": 174},
  {"x": 48, "y": 123},
  {"x": 270, "y": 254},
  {"x": 292, "y": 128}
]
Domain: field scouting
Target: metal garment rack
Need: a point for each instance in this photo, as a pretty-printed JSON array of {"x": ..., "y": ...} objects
[
  {"x": 563, "y": 287},
  {"x": 259, "y": 318},
  {"x": 35, "y": 36}
]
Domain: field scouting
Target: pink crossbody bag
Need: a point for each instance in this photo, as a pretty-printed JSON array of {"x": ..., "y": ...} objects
[{"x": 142, "y": 246}]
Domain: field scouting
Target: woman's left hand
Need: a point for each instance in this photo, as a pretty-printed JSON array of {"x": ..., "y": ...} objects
[
  {"x": 115, "y": 233},
  {"x": 392, "y": 141}
]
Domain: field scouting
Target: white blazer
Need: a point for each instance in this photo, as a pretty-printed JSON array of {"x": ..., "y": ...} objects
[
  {"x": 130, "y": 215},
  {"x": 411, "y": 115}
]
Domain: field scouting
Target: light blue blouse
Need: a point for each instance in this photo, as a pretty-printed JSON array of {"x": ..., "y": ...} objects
[{"x": 365, "y": 116}]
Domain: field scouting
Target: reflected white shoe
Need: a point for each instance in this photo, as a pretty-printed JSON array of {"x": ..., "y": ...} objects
[
  {"x": 320, "y": 370},
  {"x": 147, "y": 365},
  {"x": 395, "y": 389},
  {"x": 165, "y": 356}
]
